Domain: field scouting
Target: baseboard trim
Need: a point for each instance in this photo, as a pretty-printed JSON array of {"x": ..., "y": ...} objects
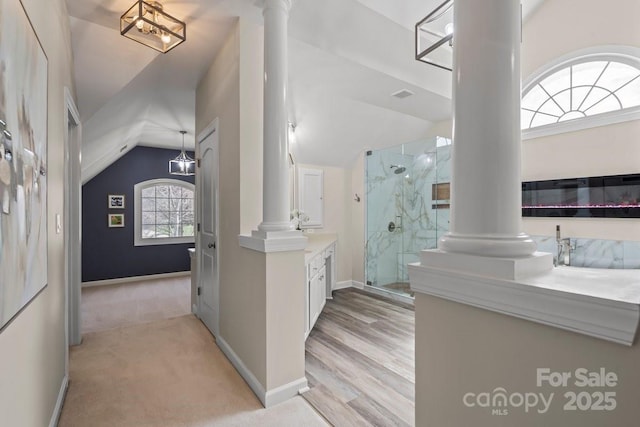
[
  {"x": 343, "y": 285},
  {"x": 285, "y": 392},
  {"x": 267, "y": 398},
  {"x": 357, "y": 284},
  {"x": 305, "y": 389},
  {"x": 122, "y": 280},
  {"x": 57, "y": 410},
  {"x": 242, "y": 369}
]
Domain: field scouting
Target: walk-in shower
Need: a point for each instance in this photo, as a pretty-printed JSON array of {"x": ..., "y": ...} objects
[{"x": 407, "y": 208}]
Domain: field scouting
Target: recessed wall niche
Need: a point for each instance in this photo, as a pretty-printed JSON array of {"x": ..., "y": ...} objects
[{"x": 616, "y": 196}]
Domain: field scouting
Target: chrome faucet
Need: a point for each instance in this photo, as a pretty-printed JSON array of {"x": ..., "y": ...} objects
[{"x": 564, "y": 249}]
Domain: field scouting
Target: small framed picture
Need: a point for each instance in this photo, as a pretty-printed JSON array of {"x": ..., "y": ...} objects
[
  {"x": 116, "y": 201},
  {"x": 116, "y": 220}
]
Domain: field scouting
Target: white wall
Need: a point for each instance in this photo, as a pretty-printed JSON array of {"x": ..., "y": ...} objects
[
  {"x": 556, "y": 29},
  {"x": 32, "y": 347}
]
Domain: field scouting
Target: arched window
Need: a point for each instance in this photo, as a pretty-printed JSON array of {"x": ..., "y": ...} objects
[
  {"x": 164, "y": 212},
  {"x": 585, "y": 91}
]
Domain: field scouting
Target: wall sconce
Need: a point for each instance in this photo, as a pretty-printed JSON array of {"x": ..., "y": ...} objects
[
  {"x": 146, "y": 23},
  {"x": 182, "y": 165},
  {"x": 434, "y": 31}
]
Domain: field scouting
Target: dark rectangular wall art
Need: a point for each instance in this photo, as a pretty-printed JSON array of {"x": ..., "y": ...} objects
[
  {"x": 616, "y": 196},
  {"x": 23, "y": 161}
]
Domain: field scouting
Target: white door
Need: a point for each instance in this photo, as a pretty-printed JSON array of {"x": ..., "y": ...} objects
[{"x": 208, "y": 285}]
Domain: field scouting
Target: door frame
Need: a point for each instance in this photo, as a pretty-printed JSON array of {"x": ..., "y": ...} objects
[
  {"x": 72, "y": 224},
  {"x": 208, "y": 130}
]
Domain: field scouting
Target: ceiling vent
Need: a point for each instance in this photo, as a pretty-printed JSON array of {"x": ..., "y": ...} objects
[{"x": 403, "y": 93}]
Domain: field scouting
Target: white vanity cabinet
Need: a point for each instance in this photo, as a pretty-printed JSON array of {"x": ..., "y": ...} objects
[
  {"x": 317, "y": 295},
  {"x": 321, "y": 268}
]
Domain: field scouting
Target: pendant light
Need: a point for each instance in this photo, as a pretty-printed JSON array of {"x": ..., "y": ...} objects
[{"x": 182, "y": 165}]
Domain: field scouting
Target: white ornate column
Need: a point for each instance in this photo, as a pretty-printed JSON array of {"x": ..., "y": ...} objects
[
  {"x": 485, "y": 237},
  {"x": 486, "y": 177},
  {"x": 275, "y": 233},
  {"x": 275, "y": 208}
]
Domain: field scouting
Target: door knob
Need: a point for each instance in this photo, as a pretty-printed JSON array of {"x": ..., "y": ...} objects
[{"x": 211, "y": 245}]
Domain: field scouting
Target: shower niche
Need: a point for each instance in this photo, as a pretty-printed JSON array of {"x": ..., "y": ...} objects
[
  {"x": 616, "y": 196},
  {"x": 407, "y": 208}
]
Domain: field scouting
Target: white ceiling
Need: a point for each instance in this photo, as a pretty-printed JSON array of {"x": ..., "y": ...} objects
[{"x": 346, "y": 58}]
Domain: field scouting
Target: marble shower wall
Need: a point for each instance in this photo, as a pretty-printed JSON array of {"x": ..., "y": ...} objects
[{"x": 406, "y": 200}]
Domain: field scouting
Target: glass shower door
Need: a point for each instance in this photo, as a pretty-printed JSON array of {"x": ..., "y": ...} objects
[{"x": 406, "y": 209}]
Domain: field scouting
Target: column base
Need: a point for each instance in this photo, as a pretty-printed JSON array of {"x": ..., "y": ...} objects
[
  {"x": 503, "y": 268},
  {"x": 520, "y": 245},
  {"x": 273, "y": 241}
]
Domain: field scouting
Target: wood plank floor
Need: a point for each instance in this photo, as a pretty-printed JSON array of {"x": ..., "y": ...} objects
[{"x": 360, "y": 361}]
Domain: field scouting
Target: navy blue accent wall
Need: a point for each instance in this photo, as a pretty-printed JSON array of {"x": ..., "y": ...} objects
[{"x": 109, "y": 253}]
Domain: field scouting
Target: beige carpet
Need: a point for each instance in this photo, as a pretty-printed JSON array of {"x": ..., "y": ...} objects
[
  {"x": 115, "y": 306},
  {"x": 168, "y": 373}
]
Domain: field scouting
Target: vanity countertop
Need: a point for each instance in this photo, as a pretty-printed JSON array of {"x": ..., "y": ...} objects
[{"x": 317, "y": 243}]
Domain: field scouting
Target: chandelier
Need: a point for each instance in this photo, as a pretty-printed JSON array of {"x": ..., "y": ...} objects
[
  {"x": 146, "y": 23},
  {"x": 435, "y": 32},
  {"x": 182, "y": 165}
]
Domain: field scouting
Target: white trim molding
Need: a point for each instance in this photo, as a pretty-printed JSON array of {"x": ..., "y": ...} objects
[
  {"x": 603, "y": 119},
  {"x": 268, "y": 398},
  {"x": 242, "y": 369},
  {"x": 138, "y": 240},
  {"x": 273, "y": 241},
  {"x": 285, "y": 392},
  {"x": 57, "y": 410},
  {"x": 122, "y": 280},
  {"x": 343, "y": 285},
  {"x": 357, "y": 285},
  {"x": 599, "y": 303}
]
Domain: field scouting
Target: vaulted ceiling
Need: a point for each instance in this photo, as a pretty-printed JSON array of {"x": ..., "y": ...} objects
[{"x": 346, "y": 58}]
